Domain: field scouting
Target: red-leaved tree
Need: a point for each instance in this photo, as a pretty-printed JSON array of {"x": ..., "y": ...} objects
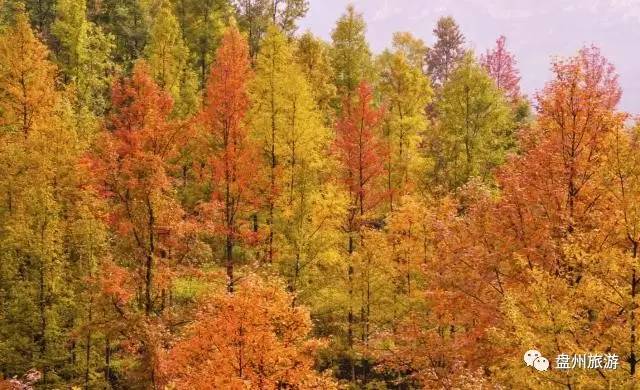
[
  {"x": 233, "y": 157},
  {"x": 132, "y": 165},
  {"x": 501, "y": 66},
  {"x": 361, "y": 154}
]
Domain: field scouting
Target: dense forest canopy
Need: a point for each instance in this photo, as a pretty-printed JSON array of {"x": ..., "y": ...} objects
[{"x": 196, "y": 195}]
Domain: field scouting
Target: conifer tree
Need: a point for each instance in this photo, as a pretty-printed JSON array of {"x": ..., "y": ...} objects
[
  {"x": 202, "y": 24},
  {"x": 361, "y": 155},
  {"x": 132, "y": 164},
  {"x": 414, "y": 49},
  {"x": 168, "y": 57},
  {"x": 128, "y": 22},
  {"x": 501, "y": 66},
  {"x": 27, "y": 96},
  {"x": 255, "y": 337},
  {"x": 445, "y": 54},
  {"x": 255, "y": 17}
]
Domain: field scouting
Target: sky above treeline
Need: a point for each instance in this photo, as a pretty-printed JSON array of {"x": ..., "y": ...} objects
[{"x": 536, "y": 30}]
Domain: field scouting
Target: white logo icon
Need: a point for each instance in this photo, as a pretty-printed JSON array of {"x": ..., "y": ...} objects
[
  {"x": 530, "y": 356},
  {"x": 535, "y": 359},
  {"x": 541, "y": 364}
]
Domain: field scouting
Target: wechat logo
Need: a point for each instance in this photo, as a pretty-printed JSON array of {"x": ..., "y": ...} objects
[{"x": 535, "y": 359}]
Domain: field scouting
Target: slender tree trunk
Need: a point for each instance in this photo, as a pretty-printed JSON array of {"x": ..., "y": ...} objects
[
  {"x": 43, "y": 321},
  {"x": 107, "y": 360},
  {"x": 229, "y": 262},
  {"x": 230, "y": 226},
  {"x": 148, "y": 280},
  {"x": 149, "y": 264},
  {"x": 87, "y": 351},
  {"x": 633, "y": 359},
  {"x": 273, "y": 163},
  {"x": 350, "y": 319}
]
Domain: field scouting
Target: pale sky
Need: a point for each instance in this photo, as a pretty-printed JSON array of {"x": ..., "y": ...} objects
[{"x": 536, "y": 30}]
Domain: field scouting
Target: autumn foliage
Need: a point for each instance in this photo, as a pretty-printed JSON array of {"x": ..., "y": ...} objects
[
  {"x": 360, "y": 150},
  {"x": 501, "y": 66},
  {"x": 253, "y": 338},
  {"x": 232, "y": 156},
  {"x": 191, "y": 202}
]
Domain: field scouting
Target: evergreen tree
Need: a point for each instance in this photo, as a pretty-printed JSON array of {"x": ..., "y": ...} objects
[
  {"x": 202, "y": 23},
  {"x": 42, "y": 14},
  {"x": 448, "y": 50},
  {"x": 255, "y": 16},
  {"x": 128, "y": 22}
]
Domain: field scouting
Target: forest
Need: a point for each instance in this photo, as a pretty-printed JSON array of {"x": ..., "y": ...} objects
[{"x": 194, "y": 194}]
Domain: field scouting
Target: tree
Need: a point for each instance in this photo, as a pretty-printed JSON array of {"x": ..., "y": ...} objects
[
  {"x": 143, "y": 140},
  {"x": 41, "y": 15},
  {"x": 448, "y": 50},
  {"x": 202, "y": 24},
  {"x": 27, "y": 94},
  {"x": 44, "y": 216},
  {"x": 313, "y": 56},
  {"x": 255, "y": 16},
  {"x": 128, "y": 22},
  {"x": 272, "y": 117},
  {"x": 407, "y": 92},
  {"x": 133, "y": 164},
  {"x": 413, "y": 49},
  {"x": 623, "y": 169},
  {"x": 500, "y": 64},
  {"x": 168, "y": 58},
  {"x": 254, "y": 337},
  {"x": 288, "y": 126},
  {"x": 361, "y": 155},
  {"x": 31, "y": 214},
  {"x": 84, "y": 58},
  {"x": 350, "y": 54},
  {"x": 541, "y": 278},
  {"x": 233, "y": 157},
  {"x": 474, "y": 127}
]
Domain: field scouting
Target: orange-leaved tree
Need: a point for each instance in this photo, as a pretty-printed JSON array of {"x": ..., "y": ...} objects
[
  {"x": 133, "y": 162},
  {"x": 233, "y": 157},
  {"x": 252, "y": 338},
  {"x": 558, "y": 223},
  {"x": 361, "y": 155}
]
